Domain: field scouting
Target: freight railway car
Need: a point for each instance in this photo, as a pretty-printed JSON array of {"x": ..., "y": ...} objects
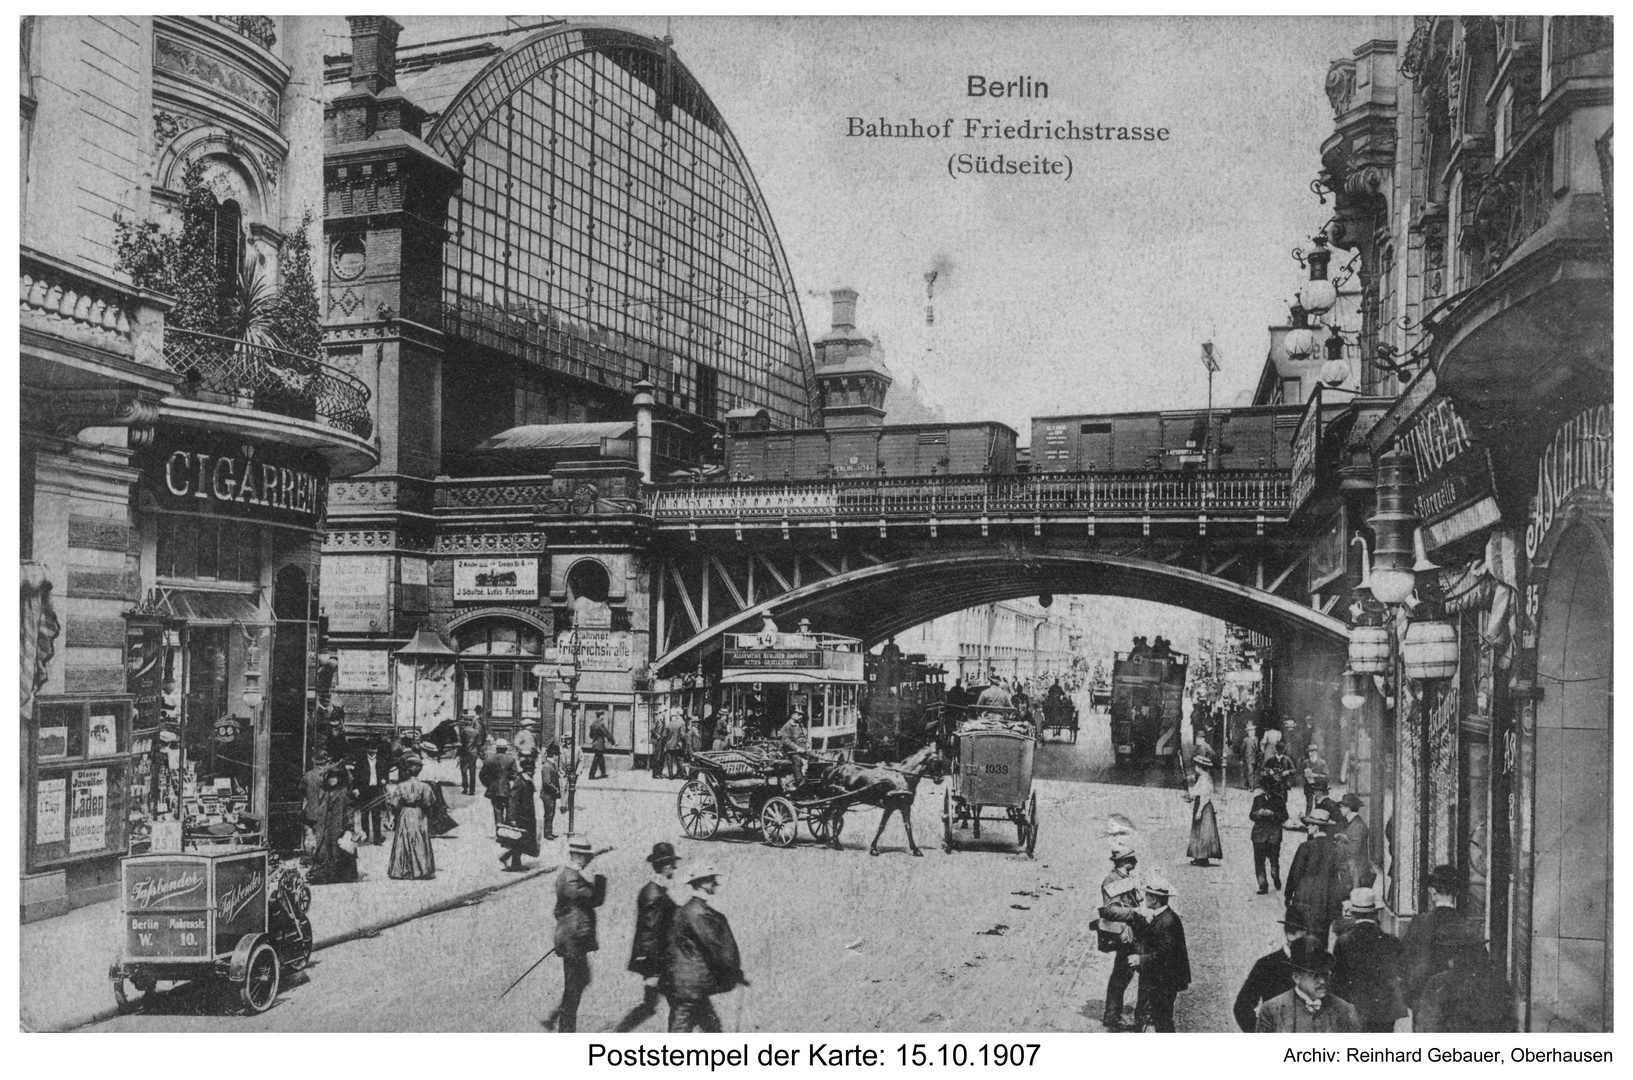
[
  {"x": 890, "y": 450},
  {"x": 1259, "y": 437}
]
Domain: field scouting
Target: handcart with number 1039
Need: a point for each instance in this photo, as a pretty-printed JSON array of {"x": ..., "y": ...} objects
[
  {"x": 228, "y": 916},
  {"x": 992, "y": 767}
]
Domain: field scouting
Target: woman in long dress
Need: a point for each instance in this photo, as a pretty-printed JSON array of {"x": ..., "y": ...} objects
[
  {"x": 1204, "y": 824},
  {"x": 524, "y": 817},
  {"x": 412, "y": 799},
  {"x": 332, "y": 862}
]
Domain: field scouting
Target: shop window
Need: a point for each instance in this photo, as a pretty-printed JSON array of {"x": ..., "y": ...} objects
[
  {"x": 495, "y": 672},
  {"x": 207, "y": 549}
]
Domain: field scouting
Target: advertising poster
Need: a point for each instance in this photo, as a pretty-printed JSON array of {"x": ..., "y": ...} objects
[
  {"x": 50, "y": 819},
  {"x": 355, "y": 592},
  {"x": 496, "y": 579},
  {"x": 362, "y": 669},
  {"x": 102, "y": 739},
  {"x": 88, "y": 811},
  {"x": 53, "y": 743}
]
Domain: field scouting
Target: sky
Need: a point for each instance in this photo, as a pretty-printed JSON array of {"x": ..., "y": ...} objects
[{"x": 1053, "y": 296}]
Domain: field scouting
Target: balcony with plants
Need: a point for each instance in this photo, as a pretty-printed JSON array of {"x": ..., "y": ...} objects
[{"x": 247, "y": 352}]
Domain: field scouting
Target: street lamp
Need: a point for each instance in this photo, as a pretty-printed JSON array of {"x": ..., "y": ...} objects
[
  {"x": 1318, "y": 295},
  {"x": 1210, "y": 360},
  {"x": 1393, "y": 575},
  {"x": 568, "y": 673}
]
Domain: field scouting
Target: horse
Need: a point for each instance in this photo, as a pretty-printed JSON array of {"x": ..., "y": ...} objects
[{"x": 889, "y": 787}]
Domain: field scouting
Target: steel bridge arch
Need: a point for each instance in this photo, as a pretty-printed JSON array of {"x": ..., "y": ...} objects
[{"x": 874, "y": 602}]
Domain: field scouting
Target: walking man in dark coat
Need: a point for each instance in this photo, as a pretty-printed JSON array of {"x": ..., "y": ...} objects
[
  {"x": 1309, "y": 1007},
  {"x": 1272, "y": 974},
  {"x": 703, "y": 957},
  {"x": 1367, "y": 966},
  {"x": 1268, "y": 814},
  {"x": 499, "y": 770},
  {"x": 1357, "y": 839},
  {"x": 1424, "y": 943},
  {"x": 1163, "y": 962},
  {"x": 599, "y": 738},
  {"x": 470, "y": 739},
  {"x": 1318, "y": 880},
  {"x": 654, "y": 917},
  {"x": 550, "y": 787},
  {"x": 1122, "y": 911},
  {"x": 577, "y": 897},
  {"x": 1472, "y": 994}
]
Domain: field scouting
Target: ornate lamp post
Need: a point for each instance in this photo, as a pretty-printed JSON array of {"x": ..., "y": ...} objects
[{"x": 568, "y": 673}]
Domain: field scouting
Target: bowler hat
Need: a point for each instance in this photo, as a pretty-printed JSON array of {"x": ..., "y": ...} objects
[
  {"x": 1310, "y": 955},
  {"x": 662, "y": 852},
  {"x": 703, "y": 873},
  {"x": 1363, "y": 901},
  {"x": 1350, "y": 800},
  {"x": 1445, "y": 878}
]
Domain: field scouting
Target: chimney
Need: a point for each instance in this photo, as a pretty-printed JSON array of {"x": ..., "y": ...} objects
[
  {"x": 374, "y": 51},
  {"x": 844, "y": 309}
]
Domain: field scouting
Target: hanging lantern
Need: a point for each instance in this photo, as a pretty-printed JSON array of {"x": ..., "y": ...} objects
[
  {"x": 1392, "y": 576},
  {"x": 1335, "y": 372},
  {"x": 253, "y": 694},
  {"x": 1354, "y": 690},
  {"x": 1429, "y": 650},
  {"x": 1300, "y": 340},
  {"x": 1369, "y": 650},
  {"x": 1318, "y": 295}
]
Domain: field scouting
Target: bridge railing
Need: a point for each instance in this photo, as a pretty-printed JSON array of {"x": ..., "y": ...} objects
[{"x": 1098, "y": 493}]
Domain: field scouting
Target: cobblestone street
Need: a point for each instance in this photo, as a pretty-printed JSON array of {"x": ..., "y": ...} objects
[{"x": 982, "y": 939}]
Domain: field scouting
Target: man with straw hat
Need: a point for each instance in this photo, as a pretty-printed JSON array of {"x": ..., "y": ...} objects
[
  {"x": 703, "y": 957},
  {"x": 1309, "y": 1007},
  {"x": 1318, "y": 878},
  {"x": 1163, "y": 962},
  {"x": 1121, "y": 908},
  {"x": 577, "y": 897},
  {"x": 1367, "y": 966},
  {"x": 1272, "y": 974},
  {"x": 654, "y": 918}
]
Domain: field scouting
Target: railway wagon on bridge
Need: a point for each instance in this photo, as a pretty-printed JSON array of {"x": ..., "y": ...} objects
[
  {"x": 1258, "y": 437},
  {"x": 891, "y": 450},
  {"x": 1147, "y": 703}
]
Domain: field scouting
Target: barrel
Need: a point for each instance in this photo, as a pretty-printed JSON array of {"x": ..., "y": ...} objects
[
  {"x": 1369, "y": 650},
  {"x": 1430, "y": 650}
]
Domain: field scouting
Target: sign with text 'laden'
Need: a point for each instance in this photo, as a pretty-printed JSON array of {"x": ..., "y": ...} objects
[
  {"x": 88, "y": 811},
  {"x": 496, "y": 579},
  {"x": 355, "y": 591}
]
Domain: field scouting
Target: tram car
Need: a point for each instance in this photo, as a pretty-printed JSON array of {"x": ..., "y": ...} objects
[
  {"x": 903, "y": 698},
  {"x": 1147, "y": 702}
]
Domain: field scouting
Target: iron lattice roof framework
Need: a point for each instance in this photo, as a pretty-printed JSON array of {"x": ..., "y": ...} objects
[{"x": 609, "y": 227}]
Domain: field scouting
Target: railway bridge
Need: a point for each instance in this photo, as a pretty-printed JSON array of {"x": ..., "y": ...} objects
[{"x": 870, "y": 557}]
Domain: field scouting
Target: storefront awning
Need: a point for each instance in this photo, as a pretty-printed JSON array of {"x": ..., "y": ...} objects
[{"x": 204, "y": 606}]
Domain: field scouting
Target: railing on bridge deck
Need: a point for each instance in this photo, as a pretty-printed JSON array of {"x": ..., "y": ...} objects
[{"x": 1097, "y": 493}]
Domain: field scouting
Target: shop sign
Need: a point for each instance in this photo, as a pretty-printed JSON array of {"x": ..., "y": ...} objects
[
  {"x": 363, "y": 669},
  {"x": 596, "y": 650},
  {"x": 1456, "y": 495},
  {"x": 235, "y": 478},
  {"x": 355, "y": 593},
  {"x": 241, "y": 896},
  {"x": 1306, "y": 448},
  {"x": 50, "y": 811},
  {"x": 496, "y": 579},
  {"x": 88, "y": 811},
  {"x": 226, "y": 729},
  {"x": 778, "y": 659},
  {"x": 1580, "y": 458},
  {"x": 1329, "y": 554},
  {"x": 165, "y": 886}
]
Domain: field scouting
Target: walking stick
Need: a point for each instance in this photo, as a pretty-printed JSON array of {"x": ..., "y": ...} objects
[{"x": 528, "y": 972}]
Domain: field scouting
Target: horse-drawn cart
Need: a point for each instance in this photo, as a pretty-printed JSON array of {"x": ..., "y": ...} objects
[
  {"x": 992, "y": 768},
  {"x": 226, "y": 915},
  {"x": 754, "y": 787},
  {"x": 1060, "y": 717}
]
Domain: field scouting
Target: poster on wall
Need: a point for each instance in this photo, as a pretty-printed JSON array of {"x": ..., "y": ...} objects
[
  {"x": 50, "y": 816},
  {"x": 53, "y": 743},
  {"x": 496, "y": 579},
  {"x": 363, "y": 669},
  {"x": 88, "y": 811},
  {"x": 355, "y": 592},
  {"x": 102, "y": 738}
]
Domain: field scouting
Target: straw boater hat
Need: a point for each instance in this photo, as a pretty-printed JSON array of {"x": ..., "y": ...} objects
[
  {"x": 580, "y": 846},
  {"x": 1363, "y": 901},
  {"x": 1157, "y": 882},
  {"x": 1318, "y": 816},
  {"x": 703, "y": 873}
]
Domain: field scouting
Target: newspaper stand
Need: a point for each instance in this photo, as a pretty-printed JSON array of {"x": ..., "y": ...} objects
[{"x": 222, "y": 915}]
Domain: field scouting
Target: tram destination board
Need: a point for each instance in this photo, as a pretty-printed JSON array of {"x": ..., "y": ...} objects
[{"x": 773, "y": 658}]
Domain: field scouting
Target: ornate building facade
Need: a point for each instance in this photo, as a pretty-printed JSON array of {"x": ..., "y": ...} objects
[{"x": 173, "y": 481}]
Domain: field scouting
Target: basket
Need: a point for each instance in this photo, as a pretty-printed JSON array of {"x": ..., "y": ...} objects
[{"x": 507, "y": 831}]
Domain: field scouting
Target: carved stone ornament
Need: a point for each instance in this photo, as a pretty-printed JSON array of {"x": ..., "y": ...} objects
[
  {"x": 68, "y": 412},
  {"x": 583, "y": 501},
  {"x": 167, "y": 125},
  {"x": 1341, "y": 85}
]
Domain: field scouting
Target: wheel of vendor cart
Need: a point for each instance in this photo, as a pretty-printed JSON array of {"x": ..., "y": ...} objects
[
  {"x": 779, "y": 821},
  {"x": 698, "y": 809},
  {"x": 262, "y": 974},
  {"x": 947, "y": 820},
  {"x": 1031, "y": 824},
  {"x": 130, "y": 990}
]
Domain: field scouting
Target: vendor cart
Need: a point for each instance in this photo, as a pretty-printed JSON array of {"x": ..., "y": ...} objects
[
  {"x": 223, "y": 915},
  {"x": 753, "y": 786},
  {"x": 992, "y": 768}
]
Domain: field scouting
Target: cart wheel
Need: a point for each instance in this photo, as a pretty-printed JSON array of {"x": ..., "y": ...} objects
[
  {"x": 261, "y": 977},
  {"x": 779, "y": 821},
  {"x": 947, "y": 821},
  {"x": 698, "y": 810},
  {"x": 826, "y": 824},
  {"x": 1032, "y": 824},
  {"x": 129, "y": 991}
]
